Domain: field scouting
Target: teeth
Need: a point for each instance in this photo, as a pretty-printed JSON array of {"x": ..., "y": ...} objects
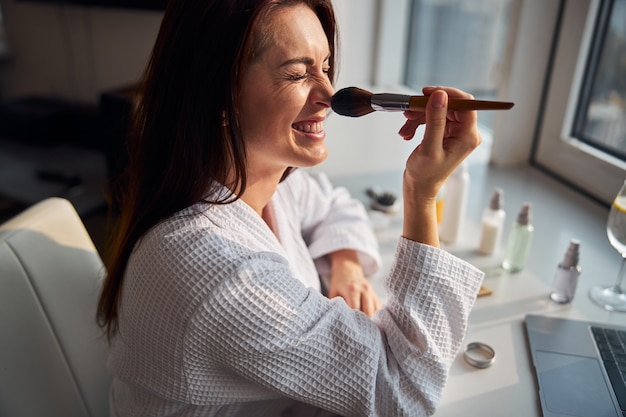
[{"x": 308, "y": 127}]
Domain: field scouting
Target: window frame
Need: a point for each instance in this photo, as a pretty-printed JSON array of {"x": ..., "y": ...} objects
[
  {"x": 556, "y": 150},
  {"x": 547, "y": 55},
  {"x": 522, "y": 75}
]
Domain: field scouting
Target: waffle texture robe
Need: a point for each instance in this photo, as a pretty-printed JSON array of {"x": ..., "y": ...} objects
[{"x": 220, "y": 316}]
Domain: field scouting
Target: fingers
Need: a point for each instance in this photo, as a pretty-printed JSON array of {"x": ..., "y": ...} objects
[
  {"x": 359, "y": 296},
  {"x": 459, "y": 125},
  {"x": 449, "y": 136},
  {"x": 417, "y": 118},
  {"x": 353, "y": 299},
  {"x": 407, "y": 131},
  {"x": 370, "y": 303},
  {"x": 467, "y": 118},
  {"x": 436, "y": 117}
]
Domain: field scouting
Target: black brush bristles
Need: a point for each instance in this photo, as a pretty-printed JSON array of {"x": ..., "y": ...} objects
[{"x": 352, "y": 102}]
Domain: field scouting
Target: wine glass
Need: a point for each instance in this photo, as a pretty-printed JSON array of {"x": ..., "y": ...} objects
[{"x": 613, "y": 298}]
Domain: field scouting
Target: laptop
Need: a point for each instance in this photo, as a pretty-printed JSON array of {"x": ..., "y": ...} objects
[{"x": 576, "y": 375}]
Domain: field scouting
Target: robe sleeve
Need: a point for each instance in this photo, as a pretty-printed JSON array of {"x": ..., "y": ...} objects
[
  {"x": 270, "y": 330},
  {"x": 331, "y": 220}
]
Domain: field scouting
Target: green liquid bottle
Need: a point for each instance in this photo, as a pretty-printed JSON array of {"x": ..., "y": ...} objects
[{"x": 519, "y": 241}]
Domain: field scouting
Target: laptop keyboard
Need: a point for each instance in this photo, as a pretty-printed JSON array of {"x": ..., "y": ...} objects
[{"x": 612, "y": 346}]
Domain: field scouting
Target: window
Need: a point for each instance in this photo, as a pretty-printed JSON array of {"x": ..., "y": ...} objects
[
  {"x": 600, "y": 119},
  {"x": 459, "y": 43},
  {"x": 561, "y": 61},
  {"x": 582, "y": 138}
]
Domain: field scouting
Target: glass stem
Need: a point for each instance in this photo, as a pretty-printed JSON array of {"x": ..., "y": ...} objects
[{"x": 620, "y": 277}]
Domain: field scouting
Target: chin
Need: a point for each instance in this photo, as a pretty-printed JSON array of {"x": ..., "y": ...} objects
[
  {"x": 319, "y": 158},
  {"x": 309, "y": 162}
]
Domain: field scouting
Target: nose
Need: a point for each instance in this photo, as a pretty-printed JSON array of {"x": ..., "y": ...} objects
[{"x": 323, "y": 93}]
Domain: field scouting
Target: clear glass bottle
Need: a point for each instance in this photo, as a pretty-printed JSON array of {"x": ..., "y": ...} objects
[
  {"x": 492, "y": 223},
  {"x": 566, "y": 276},
  {"x": 520, "y": 238},
  {"x": 457, "y": 188}
]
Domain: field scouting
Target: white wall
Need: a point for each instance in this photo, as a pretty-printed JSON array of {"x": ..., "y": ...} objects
[
  {"x": 77, "y": 52},
  {"x": 528, "y": 54},
  {"x": 74, "y": 52},
  {"x": 369, "y": 143}
]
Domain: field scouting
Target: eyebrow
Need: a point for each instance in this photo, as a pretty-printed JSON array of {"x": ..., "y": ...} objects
[{"x": 302, "y": 60}]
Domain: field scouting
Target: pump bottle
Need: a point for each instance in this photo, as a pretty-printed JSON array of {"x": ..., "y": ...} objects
[
  {"x": 566, "y": 276},
  {"x": 492, "y": 223},
  {"x": 519, "y": 241}
]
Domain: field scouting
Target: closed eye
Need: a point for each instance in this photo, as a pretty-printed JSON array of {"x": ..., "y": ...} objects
[
  {"x": 308, "y": 62},
  {"x": 297, "y": 76}
]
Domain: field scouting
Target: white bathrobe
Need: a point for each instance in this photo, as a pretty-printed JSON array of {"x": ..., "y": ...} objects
[{"x": 220, "y": 316}]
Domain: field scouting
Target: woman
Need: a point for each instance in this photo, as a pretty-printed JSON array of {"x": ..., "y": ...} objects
[{"x": 212, "y": 301}]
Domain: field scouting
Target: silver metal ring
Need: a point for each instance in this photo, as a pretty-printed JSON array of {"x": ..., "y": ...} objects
[{"x": 479, "y": 355}]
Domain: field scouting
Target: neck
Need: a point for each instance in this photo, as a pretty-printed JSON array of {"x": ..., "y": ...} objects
[{"x": 260, "y": 190}]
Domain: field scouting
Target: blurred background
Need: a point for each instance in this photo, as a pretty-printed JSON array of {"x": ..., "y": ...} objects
[{"x": 68, "y": 67}]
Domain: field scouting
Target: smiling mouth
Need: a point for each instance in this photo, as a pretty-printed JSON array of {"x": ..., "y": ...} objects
[{"x": 309, "y": 127}]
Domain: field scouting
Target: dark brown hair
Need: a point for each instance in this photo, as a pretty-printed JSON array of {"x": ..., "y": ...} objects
[{"x": 184, "y": 137}]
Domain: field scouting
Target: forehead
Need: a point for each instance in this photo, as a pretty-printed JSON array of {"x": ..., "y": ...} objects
[{"x": 294, "y": 30}]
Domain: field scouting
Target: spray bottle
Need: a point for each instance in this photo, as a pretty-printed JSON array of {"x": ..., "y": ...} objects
[
  {"x": 566, "y": 276},
  {"x": 520, "y": 238},
  {"x": 492, "y": 222}
]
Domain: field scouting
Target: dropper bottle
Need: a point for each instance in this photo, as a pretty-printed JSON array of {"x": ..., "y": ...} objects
[
  {"x": 520, "y": 238},
  {"x": 566, "y": 276},
  {"x": 492, "y": 223}
]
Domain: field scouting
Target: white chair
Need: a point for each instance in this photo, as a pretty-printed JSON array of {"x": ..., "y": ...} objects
[{"x": 52, "y": 353}]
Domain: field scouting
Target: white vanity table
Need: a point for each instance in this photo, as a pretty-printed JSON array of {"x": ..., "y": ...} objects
[{"x": 507, "y": 388}]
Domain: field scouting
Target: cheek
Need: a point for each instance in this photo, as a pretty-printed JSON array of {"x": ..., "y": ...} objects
[
  {"x": 263, "y": 106},
  {"x": 290, "y": 98},
  {"x": 254, "y": 115},
  {"x": 271, "y": 109}
]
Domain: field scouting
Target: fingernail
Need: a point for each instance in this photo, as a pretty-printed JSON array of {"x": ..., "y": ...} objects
[{"x": 438, "y": 99}]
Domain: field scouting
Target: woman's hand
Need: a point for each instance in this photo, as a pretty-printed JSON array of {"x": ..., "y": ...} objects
[
  {"x": 348, "y": 281},
  {"x": 449, "y": 137}
]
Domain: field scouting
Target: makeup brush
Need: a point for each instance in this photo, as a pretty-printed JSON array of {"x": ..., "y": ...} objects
[{"x": 356, "y": 102}]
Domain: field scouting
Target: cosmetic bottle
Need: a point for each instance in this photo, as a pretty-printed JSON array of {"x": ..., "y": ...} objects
[
  {"x": 566, "y": 276},
  {"x": 492, "y": 223},
  {"x": 440, "y": 203},
  {"x": 519, "y": 241},
  {"x": 456, "y": 191}
]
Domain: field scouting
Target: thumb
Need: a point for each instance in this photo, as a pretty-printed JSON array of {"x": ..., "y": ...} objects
[{"x": 436, "y": 111}]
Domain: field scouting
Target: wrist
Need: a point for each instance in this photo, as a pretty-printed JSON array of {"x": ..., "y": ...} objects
[
  {"x": 420, "y": 190},
  {"x": 342, "y": 262},
  {"x": 420, "y": 220}
]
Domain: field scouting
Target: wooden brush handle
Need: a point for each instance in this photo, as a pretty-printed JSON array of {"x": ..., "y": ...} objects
[{"x": 419, "y": 103}]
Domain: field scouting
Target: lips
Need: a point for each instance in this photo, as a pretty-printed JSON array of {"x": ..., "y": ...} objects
[{"x": 309, "y": 127}]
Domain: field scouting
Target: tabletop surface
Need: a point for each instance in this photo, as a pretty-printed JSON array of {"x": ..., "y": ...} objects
[{"x": 559, "y": 214}]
